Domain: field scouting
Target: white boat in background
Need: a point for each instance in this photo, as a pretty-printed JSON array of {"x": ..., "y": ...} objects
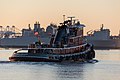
[
  {"x": 11, "y": 39},
  {"x": 101, "y": 39}
]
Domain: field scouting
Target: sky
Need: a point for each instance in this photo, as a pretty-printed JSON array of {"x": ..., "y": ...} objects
[{"x": 92, "y": 13}]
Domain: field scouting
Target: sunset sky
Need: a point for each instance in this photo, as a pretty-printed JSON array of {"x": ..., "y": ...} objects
[{"x": 92, "y": 13}]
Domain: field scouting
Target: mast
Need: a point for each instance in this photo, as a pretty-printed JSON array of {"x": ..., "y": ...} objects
[
  {"x": 63, "y": 18},
  {"x": 119, "y": 33},
  {"x": 102, "y": 27},
  {"x": 75, "y": 21},
  {"x": 71, "y": 19},
  {"x": 1, "y": 28}
]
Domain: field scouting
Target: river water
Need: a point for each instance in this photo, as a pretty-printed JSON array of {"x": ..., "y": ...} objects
[{"x": 108, "y": 68}]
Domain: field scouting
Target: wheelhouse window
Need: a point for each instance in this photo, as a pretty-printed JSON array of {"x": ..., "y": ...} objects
[{"x": 71, "y": 40}]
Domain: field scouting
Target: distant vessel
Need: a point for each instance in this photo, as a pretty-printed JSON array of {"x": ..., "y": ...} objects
[
  {"x": 9, "y": 38},
  {"x": 101, "y": 39},
  {"x": 66, "y": 45}
]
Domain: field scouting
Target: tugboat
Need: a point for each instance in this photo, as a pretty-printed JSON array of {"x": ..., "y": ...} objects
[{"x": 67, "y": 44}]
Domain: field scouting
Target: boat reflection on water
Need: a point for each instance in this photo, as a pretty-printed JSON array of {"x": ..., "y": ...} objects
[
  {"x": 70, "y": 71},
  {"x": 106, "y": 69}
]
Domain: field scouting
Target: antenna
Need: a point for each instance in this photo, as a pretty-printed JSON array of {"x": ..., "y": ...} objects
[
  {"x": 119, "y": 32},
  {"x": 102, "y": 27},
  {"x": 64, "y": 18},
  {"x": 75, "y": 21},
  {"x": 71, "y": 18},
  {"x": 0, "y": 28}
]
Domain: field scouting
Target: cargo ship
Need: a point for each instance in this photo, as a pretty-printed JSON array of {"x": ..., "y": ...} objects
[
  {"x": 11, "y": 37},
  {"x": 101, "y": 39},
  {"x": 66, "y": 45}
]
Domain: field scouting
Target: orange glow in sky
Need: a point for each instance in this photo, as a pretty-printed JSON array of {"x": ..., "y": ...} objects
[{"x": 92, "y": 13}]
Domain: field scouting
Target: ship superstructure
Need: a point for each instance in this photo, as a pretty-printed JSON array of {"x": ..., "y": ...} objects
[{"x": 10, "y": 37}]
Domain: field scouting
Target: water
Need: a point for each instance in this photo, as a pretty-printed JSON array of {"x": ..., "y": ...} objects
[{"x": 108, "y": 68}]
